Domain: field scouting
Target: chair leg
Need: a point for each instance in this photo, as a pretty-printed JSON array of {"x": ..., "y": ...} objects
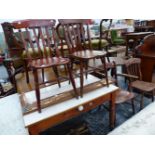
[
  {"x": 71, "y": 66},
  {"x": 81, "y": 78},
  {"x": 14, "y": 82},
  {"x": 26, "y": 71},
  {"x": 105, "y": 69},
  {"x": 113, "y": 72},
  {"x": 86, "y": 68},
  {"x": 57, "y": 75},
  {"x": 142, "y": 103},
  {"x": 72, "y": 80},
  {"x": 133, "y": 106},
  {"x": 65, "y": 70},
  {"x": 43, "y": 77},
  {"x": 36, "y": 81}
]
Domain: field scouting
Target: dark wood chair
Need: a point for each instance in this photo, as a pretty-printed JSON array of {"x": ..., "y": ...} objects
[
  {"x": 77, "y": 37},
  {"x": 13, "y": 62},
  {"x": 104, "y": 34},
  {"x": 133, "y": 69},
  {"x": 123, "y": 96},
  {"x": 62, "y": 42},
  {"x": 46, "y": 47}
]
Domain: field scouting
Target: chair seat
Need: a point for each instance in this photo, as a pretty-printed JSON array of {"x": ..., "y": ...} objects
[
  {"x": 88, "y": 54},
  {"x": 119, "y": 41},
  {"x": 36, "y": 53},
  {"x": 95, "y": 43},
  {"x": 143, "y": 86},
  {"x": 47, "y": 62},
  {"x": 65, "y": 47},
  {"x": 123, "y": 96},
  {"x": 17, "y": 62}
]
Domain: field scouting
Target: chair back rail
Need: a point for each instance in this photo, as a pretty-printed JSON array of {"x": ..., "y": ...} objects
[
  {"x": 104, "y": 33},
  {"x": 15, "y": 46},
  {"x": 133, "y": 68}
]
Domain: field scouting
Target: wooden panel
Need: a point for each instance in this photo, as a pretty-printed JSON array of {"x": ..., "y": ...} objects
[{"x": 150, "y": 64}]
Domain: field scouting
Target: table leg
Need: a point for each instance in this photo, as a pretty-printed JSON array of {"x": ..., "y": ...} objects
[
  {"x": 81, "y": 78},
  {"x": 37, "y": 89},
  {"x": 112, "y": 112}
]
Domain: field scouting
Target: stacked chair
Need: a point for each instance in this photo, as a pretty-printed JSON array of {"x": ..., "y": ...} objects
[
  {"x": 78, "y": 39},
  {"x": 39, "y": 37}
]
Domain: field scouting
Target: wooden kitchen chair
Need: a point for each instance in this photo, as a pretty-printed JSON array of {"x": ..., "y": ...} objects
[
  {"x": 46, "y": 47},
  {"x": 122, "y": 95},
  {"x": 78, "y": 40},
  {"x": 133, "y": 68}
]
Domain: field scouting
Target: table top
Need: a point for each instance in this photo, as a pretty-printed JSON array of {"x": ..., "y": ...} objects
[
  {"x": 11, "y": 119},
  {"x": 119, "y": 28},
  {"x": 56, "y": 109},
  {"x": 143, "y": 123},
  {"x": 53, "y": 110},
  {"x": 138, "y": 33},
  {"x": 144, "y": 27},
  {"x": 147, "y": 54}
]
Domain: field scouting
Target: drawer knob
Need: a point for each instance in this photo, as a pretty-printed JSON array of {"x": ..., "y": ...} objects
[{"x": 80, "y": 108}]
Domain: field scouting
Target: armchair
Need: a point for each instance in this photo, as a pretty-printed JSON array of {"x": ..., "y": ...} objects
[
  {"x": 115, "y": 39},
  {"x": 13, "y": 62}
]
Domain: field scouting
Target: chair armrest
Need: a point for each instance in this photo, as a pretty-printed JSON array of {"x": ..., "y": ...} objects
[
  {"x": 9, "y": 64},
  {"x": 11, "y": 59},
  {"x": 127, "y": 75}
]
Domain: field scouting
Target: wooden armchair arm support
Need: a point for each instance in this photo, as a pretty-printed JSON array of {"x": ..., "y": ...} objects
[
  {"x": 9, "y": 64},
  {"x": 11, "y": 59},
  {"x": 127, "y": 75}
]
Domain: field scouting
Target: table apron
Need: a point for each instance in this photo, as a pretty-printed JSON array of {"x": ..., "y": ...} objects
[{"x": 61, "y": 117}]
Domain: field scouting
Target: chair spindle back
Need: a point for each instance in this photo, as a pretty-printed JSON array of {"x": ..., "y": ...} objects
[
  {"x": 39, "y": 36},
  {"x": 76, "y": 32}
]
